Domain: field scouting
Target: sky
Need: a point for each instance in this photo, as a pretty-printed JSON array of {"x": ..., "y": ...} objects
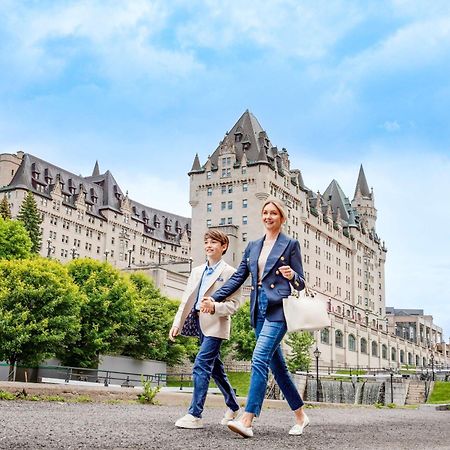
[{"x": 142, "y": 86}]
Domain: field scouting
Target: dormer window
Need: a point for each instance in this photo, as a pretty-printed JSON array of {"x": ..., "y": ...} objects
[
  {"x": 156, "y": 221},
  {"x": 47, "y": 176},
  {"x": 238, "y": 136},
  {"x": 35, "y": 171}
]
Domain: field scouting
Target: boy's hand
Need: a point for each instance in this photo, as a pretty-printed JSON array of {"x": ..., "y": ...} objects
[
  {"x": 173, "y": 333},
  {"x": 207, "y": 305}
]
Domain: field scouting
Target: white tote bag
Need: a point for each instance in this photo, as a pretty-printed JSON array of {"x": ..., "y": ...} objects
[{"x": 305, "y": 311}]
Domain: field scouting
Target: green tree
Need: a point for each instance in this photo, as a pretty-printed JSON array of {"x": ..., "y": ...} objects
[
  {"x": 5, "y": 210},
  {"x": 108, "y": 315},
  {"x": 300, "y": 344},
  {"x": 242, "y": 340},
  {"x": 39, "y": 310},
  {"x": 155, "y": 316},
  {"x": 30, "y": 217},
  {"x": 15, "y": 243}
]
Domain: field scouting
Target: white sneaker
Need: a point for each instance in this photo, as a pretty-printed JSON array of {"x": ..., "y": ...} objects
[
  {"x": 230, "y": 415},
  {"x": 297, "y": 429},
  {"x": 238, "y": 427},
  {"x": 189, "y": 421}
]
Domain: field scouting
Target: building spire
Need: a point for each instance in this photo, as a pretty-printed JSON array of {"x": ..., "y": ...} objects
[
  {"x": 196, "y": 164},
  {"x": 362, "y": 185},
  {"x": 96, "y": 171}
]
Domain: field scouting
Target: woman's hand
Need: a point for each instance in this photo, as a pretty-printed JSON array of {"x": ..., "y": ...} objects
[
  {"x": 207, "y": 305},
  {"x": 173, "y": 333},
  {"x": 287, "y": 272}
]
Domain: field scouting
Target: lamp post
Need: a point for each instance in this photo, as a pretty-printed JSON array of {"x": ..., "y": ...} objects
[
  {"x": 106, "y": 253},
  {"x": 130, "y": 251},
  {"x": 49, "y": 247},
  {"x": 159, "y": 254},
  {"x": 317, "y": 353},
  {"x": 432, "y": 365},
  {"x": 392, "y": 384}
]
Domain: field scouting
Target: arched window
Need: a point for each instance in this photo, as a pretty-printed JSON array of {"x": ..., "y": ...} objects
[
  {"x": 417, "y": 360},
  {"x": 339, "y": 338},
  {"x": 374, "y": 348},
  {"x": 410, "y": 359},
  {"x": 363, "y": 345},
  {"x": 351, "y": 343},
  {"x": 402, "y": 356},
  {"x": 393, "y": 354},
  {"x": 384, "y": 351},
  {"x": 424, "y": 362},
  {"x": 325, "y": 336}
]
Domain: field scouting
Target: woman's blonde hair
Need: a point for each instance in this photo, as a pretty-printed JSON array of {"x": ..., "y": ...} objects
[{"x": 278, "y": 205}]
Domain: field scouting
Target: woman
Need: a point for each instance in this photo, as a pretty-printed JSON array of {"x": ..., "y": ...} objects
[{"x": 275, "y": 264}]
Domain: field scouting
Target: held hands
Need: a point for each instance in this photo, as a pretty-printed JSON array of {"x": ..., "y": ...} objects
[
  {"x": 287, "y": 272},
  {"x": 173, "y": 333},
  {"x": 207, "y": 305}
]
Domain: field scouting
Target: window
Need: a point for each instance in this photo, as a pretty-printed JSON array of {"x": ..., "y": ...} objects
[
  {"x": 229, "y": 220},
  {"x": 402, "y": 356},
  {"x": 374, "y": 348},
  {"x": 384, "y": 351},
  {"x": 339, "y": 339},
  {"x": 244, "y": 187},
  {"x": 208, "y": 207},
  {"x": 325, "y": 336},
  {"x": 226, "y": 173},
  {"x": 230, "y": 205},
  {"x": 244, "y": 220},
  {"x": 209, "y": 192},
  {"x": 230, "y": 188},
  {"x": 222, "y": 221},
  {"x": 244, "y": 237},
  {"x": 363, "y": 345},
  {"x": 208, "y": 223},
  {"x": 223, "y": 205},
  {"x": 244, "y": 203},
  {"x": 351, "y": 343},
  {"x": 208, "y": 175},
  {"x": 393, "y": 354},
  {"x": 223, "y": 189},
  {"x": 244, "y": 170}
]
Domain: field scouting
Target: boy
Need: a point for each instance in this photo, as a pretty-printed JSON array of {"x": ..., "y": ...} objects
[{"x": 193, "y": 319}]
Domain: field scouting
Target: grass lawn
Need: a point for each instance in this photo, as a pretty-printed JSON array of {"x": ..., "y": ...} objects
[
  {"x": 441, "y": 392},
  {"x": 239, "y": 381}
]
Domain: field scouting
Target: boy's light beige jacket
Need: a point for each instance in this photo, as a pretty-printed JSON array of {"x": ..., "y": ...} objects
[{"x": 217, "y": 324}]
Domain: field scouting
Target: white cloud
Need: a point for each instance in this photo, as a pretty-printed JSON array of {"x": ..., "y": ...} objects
[
  {"x": 160, "y": 193},
  {"x": 391, "y": 126},
  {"x": 120, "y": 36},
  {"x": 306, "y": 29}
]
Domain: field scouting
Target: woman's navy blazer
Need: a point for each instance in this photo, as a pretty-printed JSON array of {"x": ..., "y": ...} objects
[{"x": 285, "y": 251}]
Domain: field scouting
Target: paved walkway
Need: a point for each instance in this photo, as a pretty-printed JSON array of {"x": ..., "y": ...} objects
[{"x": 53, "y": 425}]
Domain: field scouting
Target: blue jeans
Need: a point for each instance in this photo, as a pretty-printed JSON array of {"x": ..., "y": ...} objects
[
  {"x": 207, "y": 363},
  {"x": 267, "y": 353}
]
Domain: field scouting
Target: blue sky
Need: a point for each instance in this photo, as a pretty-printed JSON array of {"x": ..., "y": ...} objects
[{"x": 338, "y": 83}]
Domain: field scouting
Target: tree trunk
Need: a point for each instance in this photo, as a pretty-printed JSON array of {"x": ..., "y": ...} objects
[{"x": 12, "y": 368}]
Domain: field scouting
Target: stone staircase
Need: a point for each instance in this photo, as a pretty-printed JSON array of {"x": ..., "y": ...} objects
[{"x": 416, "y": 392}]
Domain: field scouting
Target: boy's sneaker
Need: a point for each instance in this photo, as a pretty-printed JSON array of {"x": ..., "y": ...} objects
[
  {"x": 230, "y": 415},
  {"x": 189, "y": 421}
]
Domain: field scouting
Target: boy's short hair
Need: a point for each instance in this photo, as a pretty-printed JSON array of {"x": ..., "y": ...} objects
[{"x": 218, "y": 236}]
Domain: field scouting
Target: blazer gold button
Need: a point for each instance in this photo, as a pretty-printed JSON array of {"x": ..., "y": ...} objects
[
  {"x": 296, "y": 283},
  {"x": 272, "y": 286},
  {"x": 277, "y": 272},
  {"x": 253, "y": 288},
  {"x": 282, "y": 258}
]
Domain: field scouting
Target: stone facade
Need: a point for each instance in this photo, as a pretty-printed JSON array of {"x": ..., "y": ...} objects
[
  {"x": 343, "y": 256},
  {"x": 92, "y": 217}
]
